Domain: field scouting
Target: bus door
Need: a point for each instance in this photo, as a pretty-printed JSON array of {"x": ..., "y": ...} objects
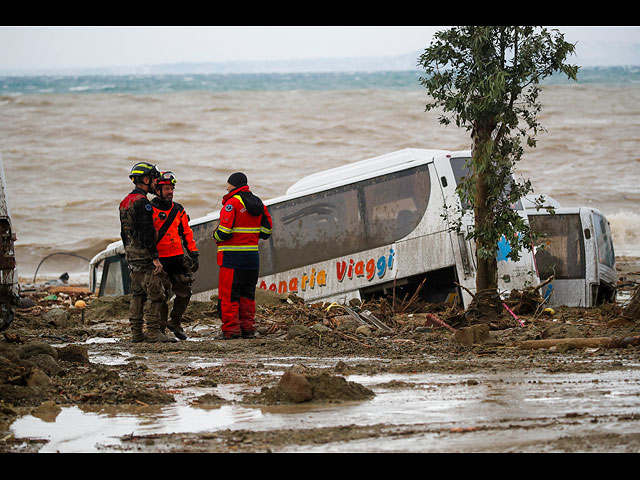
[
  {"x": 464, "y": 250},
  {"x": 605, "y": 278}
]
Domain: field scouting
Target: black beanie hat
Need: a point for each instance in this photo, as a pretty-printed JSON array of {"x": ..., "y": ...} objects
[{"x": 237, "y": 179}]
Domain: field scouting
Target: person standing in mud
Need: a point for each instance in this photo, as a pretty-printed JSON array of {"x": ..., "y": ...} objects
[
  {"x": 244, "y": 219},
  {"x": 139, "y": 239},
  {"x": 172, "y": 224}
]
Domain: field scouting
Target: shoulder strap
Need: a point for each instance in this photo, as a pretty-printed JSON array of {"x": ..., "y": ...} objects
[{"x": 167, "y": 223}]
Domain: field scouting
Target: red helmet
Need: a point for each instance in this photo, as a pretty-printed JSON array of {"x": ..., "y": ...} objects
[{"x": 166, "y": 178}]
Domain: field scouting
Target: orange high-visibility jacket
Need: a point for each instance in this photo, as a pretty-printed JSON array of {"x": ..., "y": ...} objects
[
  {"x": 172, "y": 224},
  {"x": 244, "y": 219}
]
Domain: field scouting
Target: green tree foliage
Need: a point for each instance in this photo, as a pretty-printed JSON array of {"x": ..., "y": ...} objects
[{"x": 486, "y": 80}]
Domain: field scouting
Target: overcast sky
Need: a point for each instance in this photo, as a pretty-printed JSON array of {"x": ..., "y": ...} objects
[{"x": 95, "y": 47}]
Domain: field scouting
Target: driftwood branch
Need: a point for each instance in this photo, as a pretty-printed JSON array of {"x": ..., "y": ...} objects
[
  {"x": 547, "y": 281},
  {"x": 414, "y": 296},
  {"x": 466, "y": 289},
  {"x": 607, "y": 342}
]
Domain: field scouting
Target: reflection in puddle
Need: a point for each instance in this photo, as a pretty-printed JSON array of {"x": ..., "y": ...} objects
[
  {"x": 434, "y": 399},
  {"x": 82, "y": 430}
]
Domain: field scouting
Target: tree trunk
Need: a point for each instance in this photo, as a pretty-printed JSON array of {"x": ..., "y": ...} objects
[{"x": 487, "y": 273}]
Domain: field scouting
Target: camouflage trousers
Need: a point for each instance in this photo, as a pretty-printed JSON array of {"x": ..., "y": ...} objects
[
  {"x": 178, "y": 284},
  {"x": 148, "y": 292}
]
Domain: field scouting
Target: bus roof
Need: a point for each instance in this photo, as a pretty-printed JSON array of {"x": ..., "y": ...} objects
[{"x": 363, "y": 169}]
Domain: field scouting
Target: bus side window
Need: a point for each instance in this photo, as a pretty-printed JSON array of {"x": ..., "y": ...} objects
[
  {"x": 603, "y": 238},
  {"x": 395, "y": 204},
  {"x": 316, "y": 228}
]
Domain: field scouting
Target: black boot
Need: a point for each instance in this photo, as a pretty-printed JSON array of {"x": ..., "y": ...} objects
[{"x": 176, "y": 328}]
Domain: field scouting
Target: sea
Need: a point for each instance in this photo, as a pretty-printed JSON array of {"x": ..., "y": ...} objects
[{"x": 68, "y": 143}]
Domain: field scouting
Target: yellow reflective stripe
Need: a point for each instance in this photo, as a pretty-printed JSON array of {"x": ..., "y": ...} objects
[
  {"x": 215, "y": 235},
  {"x": 240, "y": 198},
  {"x": 265, "y": 230},
  {"x": 224, "y": 229},
  {"x": 245, "y": 230},
  {"x": 238, "y": 248}
]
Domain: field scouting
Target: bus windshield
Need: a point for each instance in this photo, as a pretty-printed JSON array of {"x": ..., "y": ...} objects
[{"x": 562, "y": 254}]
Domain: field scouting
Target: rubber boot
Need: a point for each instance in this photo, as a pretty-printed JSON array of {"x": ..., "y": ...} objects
[{"x": 176, "y": 328}]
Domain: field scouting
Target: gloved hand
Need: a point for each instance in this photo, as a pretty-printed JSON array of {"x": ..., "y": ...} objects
[{"x": 194, "y": 261}]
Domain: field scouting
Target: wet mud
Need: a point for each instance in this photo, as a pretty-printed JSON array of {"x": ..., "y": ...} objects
[{"x": 315, "y": 380}]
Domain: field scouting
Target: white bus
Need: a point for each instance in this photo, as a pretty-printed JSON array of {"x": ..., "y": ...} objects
[
  {"x": 578, "y": 252},
  {"x": 364, "y": 229}
]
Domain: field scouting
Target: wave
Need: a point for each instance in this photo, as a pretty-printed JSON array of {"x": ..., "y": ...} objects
[{"x": 625, "y": 230}]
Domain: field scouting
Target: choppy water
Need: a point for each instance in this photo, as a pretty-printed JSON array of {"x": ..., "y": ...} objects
[{"x": 68, "y": 144}]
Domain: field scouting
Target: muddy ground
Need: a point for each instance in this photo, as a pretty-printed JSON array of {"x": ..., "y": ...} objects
[{"x": 52, "y": 356}]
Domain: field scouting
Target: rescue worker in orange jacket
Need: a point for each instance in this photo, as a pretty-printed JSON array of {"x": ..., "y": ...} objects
[
  {"x": 145, "y": 269},
  {"x": 174, "y": 237},
  {"x": 244, "y": 219}
]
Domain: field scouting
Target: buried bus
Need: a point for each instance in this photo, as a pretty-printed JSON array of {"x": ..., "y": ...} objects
[
  {"x": 368, "y": 228},
  {"x": 578, "y": 252}
]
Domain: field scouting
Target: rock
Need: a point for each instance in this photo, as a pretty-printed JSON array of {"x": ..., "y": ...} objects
[
  {"x": 320, "y": 328},
  {"x": 37, "y": 378},
  {"x": 46, "y": 363},
  {"x": 296, "y": 387},
  {"x": 57, "y": 316},
  {"x": 473, "y": 335},
  {"x": 346, "y": 322},
  {"x": 341, "y": 367},
  {"x": 363, "y": 330},
  {"x": 74, "y": 353},
  {"x": 26, "y": 302},
  {"x": 37, "y": 348},
  {"x": 297, "y": 331}
]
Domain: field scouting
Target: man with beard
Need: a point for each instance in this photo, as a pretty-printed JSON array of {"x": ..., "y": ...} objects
[{"x": 172, "y": 224}]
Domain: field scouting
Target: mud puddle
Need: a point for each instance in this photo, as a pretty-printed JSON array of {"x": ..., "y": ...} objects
[{"x": 420, "y": 412}]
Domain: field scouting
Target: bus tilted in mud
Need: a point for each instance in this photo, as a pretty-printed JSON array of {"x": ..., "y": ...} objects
[
  {"x": 368, "y": 228},
  {"x": 578, "y": 252}
]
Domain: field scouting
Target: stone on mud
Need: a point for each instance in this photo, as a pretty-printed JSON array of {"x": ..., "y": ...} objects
[
  {"x": 295, "y": 387},
  {"x": 474, "y": 334},
  {"x": 297, "y": 331},
  {"x": 74, "y": 353},
  {"x": 37, "y": 348},
  {"x": 58, "y": 317},
  {"x": 37, "y": 378}
]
